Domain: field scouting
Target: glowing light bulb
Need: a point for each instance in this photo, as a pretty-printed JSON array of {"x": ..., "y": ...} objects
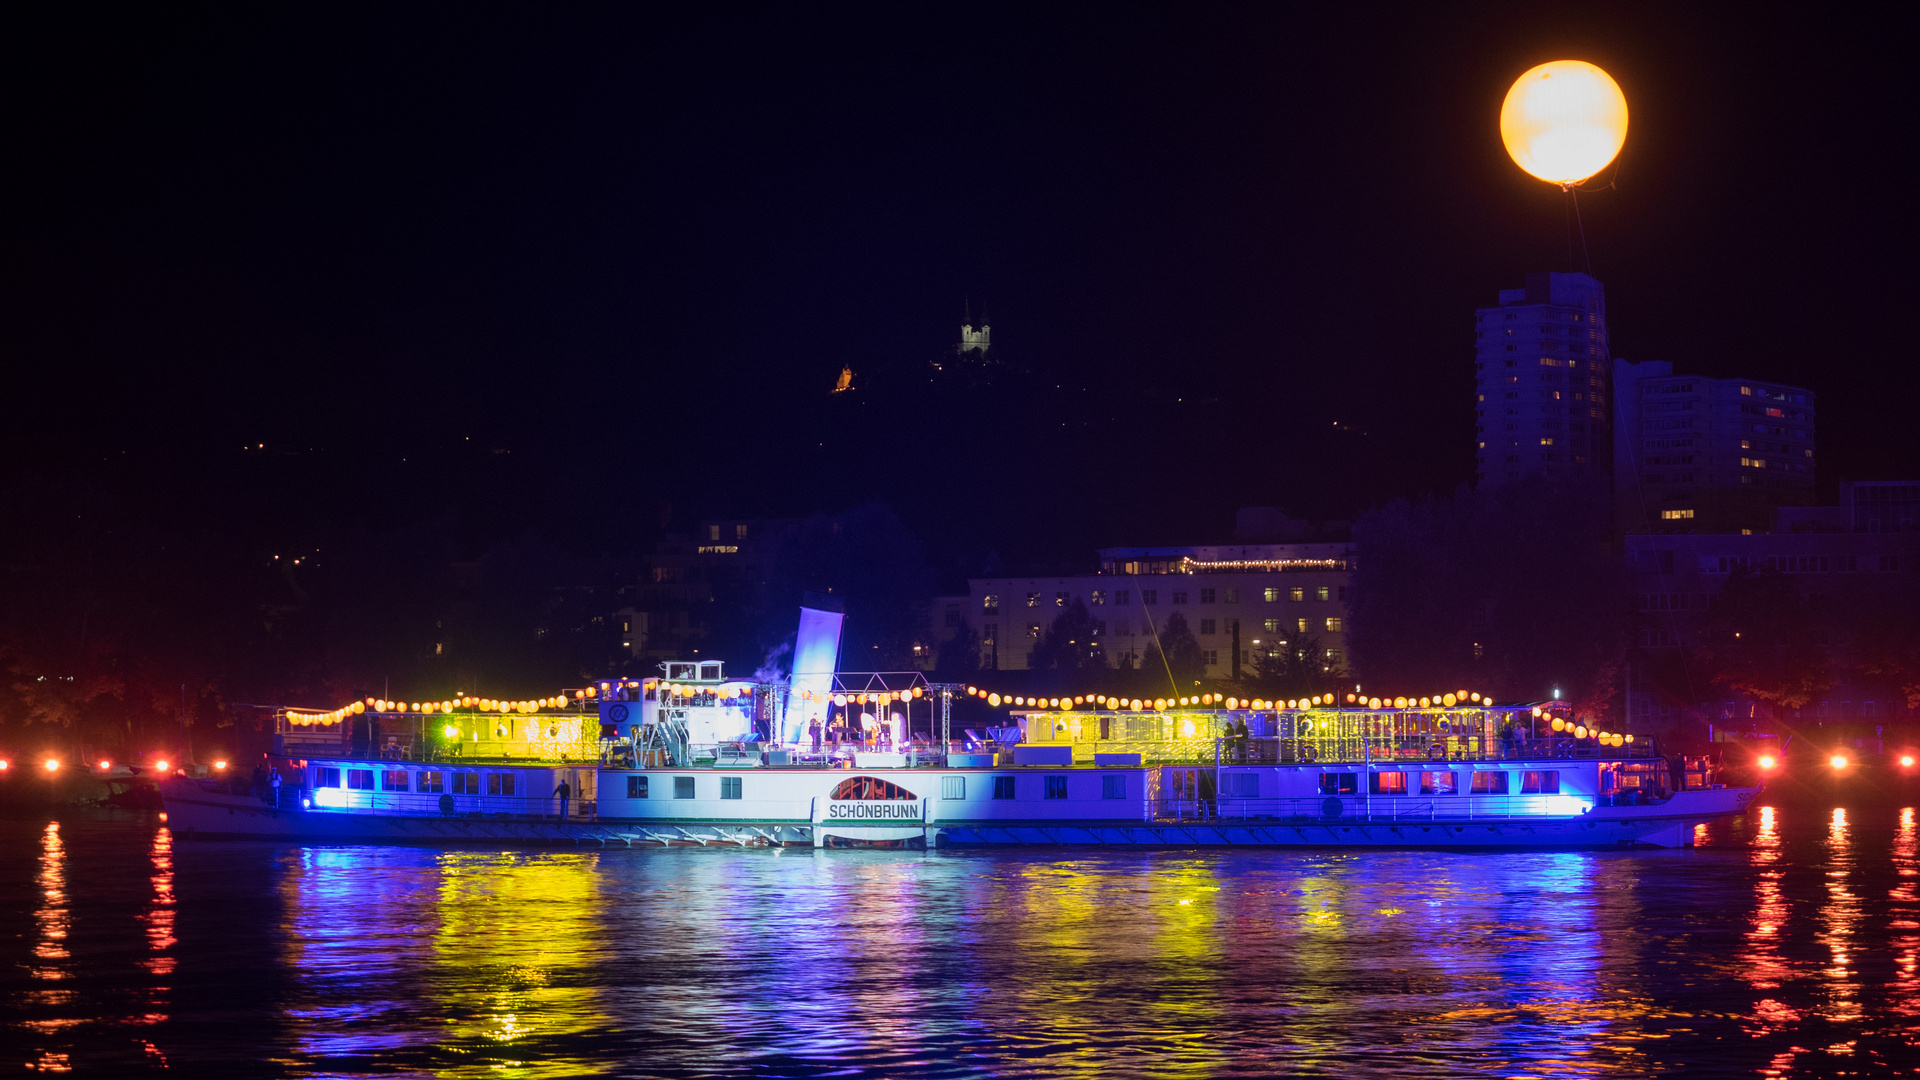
[
  {"x": 1907, "y": 760},
  {"x": 1766, "y": 762},
  {"x": 1839, "y": 761}
]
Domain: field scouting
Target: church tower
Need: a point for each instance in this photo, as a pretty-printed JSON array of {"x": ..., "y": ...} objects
[{"x": 976, "y": 340}]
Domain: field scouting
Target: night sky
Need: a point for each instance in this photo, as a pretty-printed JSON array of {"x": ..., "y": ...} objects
[{"x": 587, "y": 272}]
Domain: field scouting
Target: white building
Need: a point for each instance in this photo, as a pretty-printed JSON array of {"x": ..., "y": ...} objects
[{"x": 1237, "y": 600}]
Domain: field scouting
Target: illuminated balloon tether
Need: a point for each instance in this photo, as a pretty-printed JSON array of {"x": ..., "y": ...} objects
[{"x": 1564, "y": 122}]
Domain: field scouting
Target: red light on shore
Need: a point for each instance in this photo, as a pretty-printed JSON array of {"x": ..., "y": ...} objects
[
  {"x": 105, "y": 764},
  {"x": 1907, "y": 760},
  {"x": 1839, "y": 761},
  {"x": 5, "y": 764},
  {"x": 1767, "y": 762},
  {"x": 161, "y": 764},
  {"x": 52, "y": 765},
  {"x": 219, "y": 764}
]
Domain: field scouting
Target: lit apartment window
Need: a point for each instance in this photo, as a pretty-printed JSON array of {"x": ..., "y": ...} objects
[
  {"x": 1099, "y": 596},
  {"x": 990, "y": 605},
  {"x": 1333, "y": 624},
  {"x": 1675, "y": 515},
  {"x": 1033, "y": 629},
  {"x": 713, "y": 532},
  {"x": 1059, "y": 599},
  {"x": 1273, "y": 626},
  {"x": 1297, "y": 594},
  {"x": 1272, "y": 595},
  {"x": 1302, "y": 624},
  {"x": 739, "y": 532},
  {"x": 1320, "y": 593},
  {"x": 1033, "y": 599}
]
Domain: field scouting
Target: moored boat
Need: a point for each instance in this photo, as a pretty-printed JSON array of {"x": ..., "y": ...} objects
[{"x": 695, "y": 758}]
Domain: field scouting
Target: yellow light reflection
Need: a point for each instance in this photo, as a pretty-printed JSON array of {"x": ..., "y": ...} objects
[
  {"x": 1840, "y": 918},
  {"x": 51, "y": 916},
  {"x": 1765, "y": 967},
  {"x": 499, "y": 948},
  {"x": 1903, "y": 991},
  {"x": 159, "y": 914}
]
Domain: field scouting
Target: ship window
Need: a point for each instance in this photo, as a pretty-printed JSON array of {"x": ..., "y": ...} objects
[
  {"x": 1540, "y": 783},
  {"x": 323, "y": 777},
  {"x": 466, "y": 783},
  {"x": 870, "y": 789},
  {"x": 1490, "y": 783},
  {"x": 430, "y": 782},
  {"x": 1056, "y": 787},
  {"x": 683, "y": 787},
  {"x": 1244, "y": 785},
  {"x": 1339, "y": 783},
  {"x": 360, "y": 779},
  {"x": 636, "y": 787},
  {"x": 729, "y": 787},
  {"x": 1436, "y": 783},
  {"x": 953, "y": 787},
  {"x": 500, "y": 783},
  {"x": 1389, "y": 783},
  {"x": 1003, "y": 787},
  {"x": 393, "y": 781},
  {"x": 1114, "y": 787}
]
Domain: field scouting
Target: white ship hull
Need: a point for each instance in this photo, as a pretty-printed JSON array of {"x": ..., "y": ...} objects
[{"x": 932, "y": 807}]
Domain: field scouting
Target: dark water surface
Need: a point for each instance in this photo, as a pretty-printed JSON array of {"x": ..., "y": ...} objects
[{"x": 1785, "y": 946}]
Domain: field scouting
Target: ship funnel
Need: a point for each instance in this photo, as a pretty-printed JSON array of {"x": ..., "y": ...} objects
[{"x": 816, "y": 656}]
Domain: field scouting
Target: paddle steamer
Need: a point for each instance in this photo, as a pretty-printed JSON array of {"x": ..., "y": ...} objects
[{"x": 692, "y": 757}]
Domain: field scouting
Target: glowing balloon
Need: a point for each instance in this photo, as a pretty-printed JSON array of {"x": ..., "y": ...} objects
[{"x": 1564, "y": 121}]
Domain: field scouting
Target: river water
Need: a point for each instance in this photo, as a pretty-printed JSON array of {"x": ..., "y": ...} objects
[{"x": 1785, "y": 945}]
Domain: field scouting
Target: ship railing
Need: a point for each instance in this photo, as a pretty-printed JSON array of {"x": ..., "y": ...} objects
[
  {"x": 1271, "y": 750},
  {"x": 1404, "y": 808},
  {"x": 427, "y": 803}
]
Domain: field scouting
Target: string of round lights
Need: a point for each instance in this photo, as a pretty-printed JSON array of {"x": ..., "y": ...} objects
[
  {"x": 1447, "y": 700},
  {"x": 465, "y": 703}
]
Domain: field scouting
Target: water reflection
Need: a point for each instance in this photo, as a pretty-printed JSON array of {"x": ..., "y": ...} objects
[
  {"x": 159, "y": 914},
  {"x": 1838, "y": 919},
  {"x": 1791, "y": 947},
  {"x": 468, "y": 962},
  {"x": 1765, "y": 967},
  {"x": 54, "y": 922},
  {"x": 1903, "y": 918}
]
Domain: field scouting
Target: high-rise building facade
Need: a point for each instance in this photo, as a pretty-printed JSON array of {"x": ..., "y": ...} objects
[
  {"x": 1699, "y": 455},
  {"x": 1541, "y": 378}
]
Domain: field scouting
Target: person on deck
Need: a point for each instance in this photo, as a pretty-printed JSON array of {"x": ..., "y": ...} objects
[{"x": 565, "y": 793}]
